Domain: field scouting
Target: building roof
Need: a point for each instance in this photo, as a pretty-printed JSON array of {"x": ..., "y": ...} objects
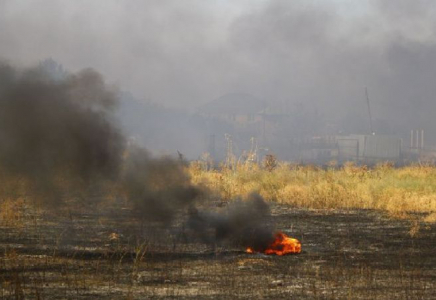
[{"x": 236, "y": 103}]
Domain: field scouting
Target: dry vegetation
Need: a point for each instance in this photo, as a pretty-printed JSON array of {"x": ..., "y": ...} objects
[{"x": 399, "y": 191}]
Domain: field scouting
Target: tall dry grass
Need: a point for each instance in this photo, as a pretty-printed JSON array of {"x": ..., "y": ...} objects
[
  {"x": 396, "y": 190},
  {"x": 410, "y": 189}
]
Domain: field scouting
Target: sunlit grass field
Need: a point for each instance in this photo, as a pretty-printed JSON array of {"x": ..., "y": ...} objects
[{"x": 398, "y": 191}]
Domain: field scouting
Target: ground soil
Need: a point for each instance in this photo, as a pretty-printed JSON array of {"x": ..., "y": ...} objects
[{"x": 360, "y": 254}]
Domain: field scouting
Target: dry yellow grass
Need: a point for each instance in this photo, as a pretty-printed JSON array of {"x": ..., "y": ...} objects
[
  {"x": 11, "y": 212},
  {"x": 410, "y": 189},
  {"x": 398, "y": 191}
]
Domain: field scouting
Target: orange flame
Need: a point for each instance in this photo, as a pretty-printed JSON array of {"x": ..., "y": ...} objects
[{"x": 281, "y": 245}]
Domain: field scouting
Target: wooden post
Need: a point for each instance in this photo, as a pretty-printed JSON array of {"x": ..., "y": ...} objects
[
  {"x": 422, "y": 138},
  {"x": 411, "y": 139}
]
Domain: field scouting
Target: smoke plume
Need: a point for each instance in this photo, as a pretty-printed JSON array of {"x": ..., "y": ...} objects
[
  {"x": 159, "y": 188},
  {"x": 52, "y": 129},
  {"x": 242, "y": 223},
  {"x": 59, "y": 132}
]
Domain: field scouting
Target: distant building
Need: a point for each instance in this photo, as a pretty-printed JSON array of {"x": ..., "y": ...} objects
[
  {"x": 369, "y": 148},
  {"x": 361, "y": 148}
]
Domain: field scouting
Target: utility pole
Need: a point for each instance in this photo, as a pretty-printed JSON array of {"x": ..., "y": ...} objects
[{"x": 369, "y": 111}]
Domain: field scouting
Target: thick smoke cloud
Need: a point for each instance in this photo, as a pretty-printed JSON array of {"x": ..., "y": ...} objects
[
  {"x": 242, "y": 223},
  {"x": 321, "y": 54},
  {"x": 53, "y": 128},
  {"x": 56, "y": 130},
  {"x": 158, "y": 188}
]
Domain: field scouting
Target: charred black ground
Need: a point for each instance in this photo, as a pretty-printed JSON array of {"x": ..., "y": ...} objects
[{"x": 346, "y": 254}]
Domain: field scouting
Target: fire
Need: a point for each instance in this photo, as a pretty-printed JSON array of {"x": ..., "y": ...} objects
[{"x": 281, "y": 245}]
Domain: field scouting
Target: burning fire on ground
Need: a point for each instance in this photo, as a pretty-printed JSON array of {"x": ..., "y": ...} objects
[{"x": 282, "y": 245}]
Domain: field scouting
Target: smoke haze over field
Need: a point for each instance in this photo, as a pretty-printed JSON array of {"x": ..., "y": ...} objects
[
  {"x": 59, "y": 136},
  {"x": 186, "y": 53}
]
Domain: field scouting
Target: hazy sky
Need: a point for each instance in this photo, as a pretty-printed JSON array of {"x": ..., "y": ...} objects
[{"x": 183, "y": 53}]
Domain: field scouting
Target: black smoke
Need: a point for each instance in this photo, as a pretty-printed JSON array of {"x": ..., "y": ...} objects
[
  {"x": 158, "y": 188},
  {"x": 52, "y": 129},
  {"x": 243, "y": 223},
  {"x": 59, "y": 135}
]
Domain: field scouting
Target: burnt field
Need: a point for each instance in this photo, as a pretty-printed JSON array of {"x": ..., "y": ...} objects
[{"x": 358, "y": 254}]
